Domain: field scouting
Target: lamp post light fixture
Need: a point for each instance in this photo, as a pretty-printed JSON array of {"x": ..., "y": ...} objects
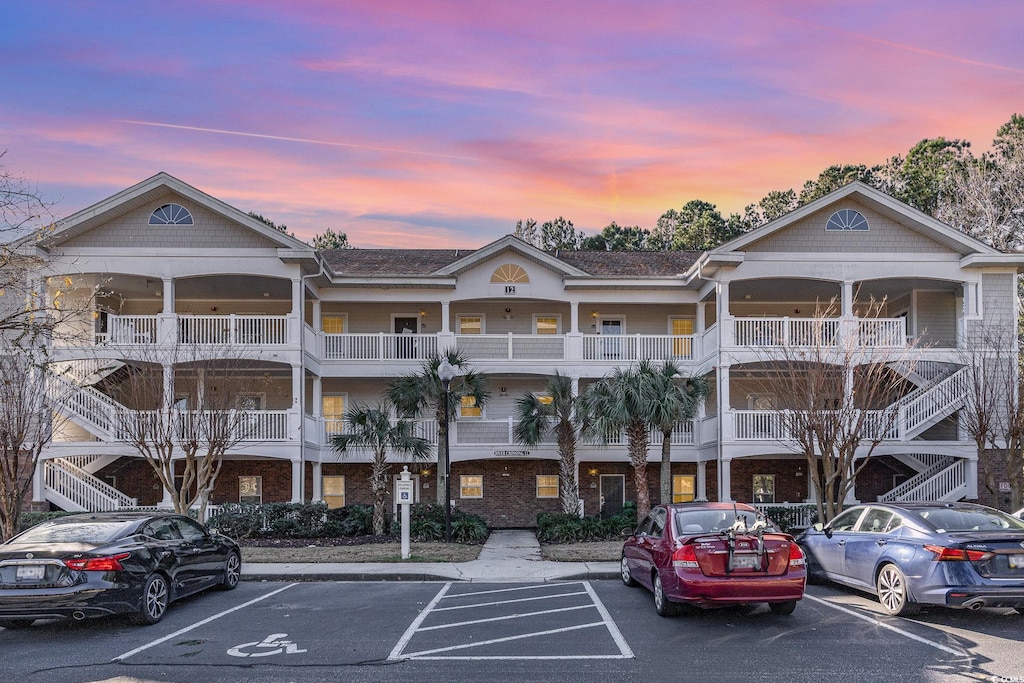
[{"x": 445, "y": 373}]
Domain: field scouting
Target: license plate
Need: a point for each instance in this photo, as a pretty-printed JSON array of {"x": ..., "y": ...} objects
[
  {"x": 745, "y": 562},
  {"x": 32, "y": 572},
  {"x": 1016, "y": 561}
]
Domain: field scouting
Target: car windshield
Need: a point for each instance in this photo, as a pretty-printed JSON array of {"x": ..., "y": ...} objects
[
  {"x": 86, "y": 532},
  {"x": 970, "y": 519},
  {"x": 712, "y": 521}
]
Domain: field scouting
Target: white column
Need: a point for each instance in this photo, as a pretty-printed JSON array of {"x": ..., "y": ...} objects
[
  {"x": 700, "y": 323},
  {"x": 168, "y": 381},
  {"x": 166, "y": 501},
  {"x": 168, "y": 296},
  {"x": 702, "y": 480},
  {"x": 318, "y": 397},
  {"x": 296, "y": 386},
  {"x": 297, "y": 298},
  {"x": 318, "y": 483},
  {"x": 847, "y": 298},
  {"x": 724, "y": 480},
  {"x": 574, "y": 317},
  {"x": 971, "y": 474},
  {"x": 446, "y": 327},
  {"x": 39, "y": 482},
  {"x": 296, "y": 481},
  {"x": 317, "y": 323}
]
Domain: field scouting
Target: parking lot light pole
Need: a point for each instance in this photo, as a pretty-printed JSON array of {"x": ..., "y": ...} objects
[{"x": 446, "y": 372}]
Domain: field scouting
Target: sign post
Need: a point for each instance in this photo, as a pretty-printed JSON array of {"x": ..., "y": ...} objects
[{"x": 405, "y": 499}]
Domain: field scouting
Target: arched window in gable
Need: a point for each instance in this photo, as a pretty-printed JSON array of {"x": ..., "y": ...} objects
[
  {"x": 509, "y": 273},
  {"x": 171, "y": 214}
]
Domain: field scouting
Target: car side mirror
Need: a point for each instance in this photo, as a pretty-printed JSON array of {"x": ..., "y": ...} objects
[
  {"x": 818, "y": 526},
  {"x": 626, "y": 533}
]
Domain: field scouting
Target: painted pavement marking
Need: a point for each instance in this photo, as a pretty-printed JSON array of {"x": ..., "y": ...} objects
[
  {"x": 177, "y": 633},
  {"x": 402, "y": 649}
]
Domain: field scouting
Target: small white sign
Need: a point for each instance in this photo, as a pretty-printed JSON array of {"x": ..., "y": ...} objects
[
  {"x": 1004, "y": 487},
  {"x": 274, "y": 644},
  {"x": 405, "y": 492}
]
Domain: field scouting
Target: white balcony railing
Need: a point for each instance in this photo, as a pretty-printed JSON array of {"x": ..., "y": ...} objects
[
  {"x": 635, "y": 347},
  {"x": 253, "y": 330},
  {"x": 818, "y": 332},
  {"x": 379, "y": 346}
]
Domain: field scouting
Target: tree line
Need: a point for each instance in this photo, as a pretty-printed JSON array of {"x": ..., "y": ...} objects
[{"x": 981, "y": 195}]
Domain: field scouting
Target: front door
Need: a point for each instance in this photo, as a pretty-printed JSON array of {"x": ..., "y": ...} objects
[
  {"x": 405, "y": 344},
  {"x": 611, "y": 328},
  {"x": 613, "y": 493}
]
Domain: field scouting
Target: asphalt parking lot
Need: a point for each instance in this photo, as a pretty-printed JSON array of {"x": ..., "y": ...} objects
[{"x": 579, "y": 630}]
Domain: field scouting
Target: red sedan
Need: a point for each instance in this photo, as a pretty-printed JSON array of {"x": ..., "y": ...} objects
[{"x": 712, "y": 555}]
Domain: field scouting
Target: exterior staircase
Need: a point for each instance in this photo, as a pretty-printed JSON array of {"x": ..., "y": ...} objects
[
  {"x": 945, "y": 480},
  {"x": 927, "y": 406},
  {"x": 70, "y": 487}
]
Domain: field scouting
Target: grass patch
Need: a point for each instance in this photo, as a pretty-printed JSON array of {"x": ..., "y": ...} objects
[
  {"x": 589, "y": 551},
  {"x": 369, "y": 552}
]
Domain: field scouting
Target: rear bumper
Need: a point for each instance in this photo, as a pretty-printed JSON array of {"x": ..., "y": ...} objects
[
  {"x": 67, "y": 603},
  {"x": 976, "y": 598},
  {"x": 735, "y": 590}
]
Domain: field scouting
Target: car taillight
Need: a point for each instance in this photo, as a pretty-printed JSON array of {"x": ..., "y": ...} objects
[
  {"x": 796, "y": 556},
  {"x": 684, "y": 556},
  {"x": 957, "y": 554},
  {"x": 111, "y": 563}
]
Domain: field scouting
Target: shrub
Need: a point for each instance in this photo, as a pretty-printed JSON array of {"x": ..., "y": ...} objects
[
  {"x": 291, "y": 520},
  {"x": 792, "y": 518},
  {"x": 561, "y": 527},
  {"x": 426, "y": 523},
  {"x": 30, "y": 519}
]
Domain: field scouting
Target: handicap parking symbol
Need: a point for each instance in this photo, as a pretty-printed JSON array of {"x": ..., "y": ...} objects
[{"x": 274, "y": 644}]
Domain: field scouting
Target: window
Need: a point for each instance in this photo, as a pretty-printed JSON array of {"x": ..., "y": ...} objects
[
  {"x": 546, "y": 324},
  {"x": 333, "y": 409},
  {"x": 250, "y": 401},
  {"x": 509, "y": 273},
  {"x": 334, "y": 490},
  {"x": 846, "y": 520},
  {"x": 171, "y": 214},
  {"x": 544, "y": 399},
  {"x": 846, "y": 219},
  {"x": 250, "y": 489},
  {"x": 547, "y": 486},
  {"x": 333, "y": 324},
  {"x": 471, "y": 486},
  {"x": 189, "y": 530},
  {"x": 469, "y": 408},
  {"x": 679, "y": 327},
  {"x": 876, "y": 521},
  {"x": 684, "y": 488},
  {"x": 764, "y": 488},
  {"x": 471, "y": 324}
]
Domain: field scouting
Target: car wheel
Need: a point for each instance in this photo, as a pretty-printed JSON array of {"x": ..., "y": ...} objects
[
  {"x": 782, "y": 607},
  {"x": 155, "y": 598},
  {"x": 13, "y": 624},
  {"x": 627, "y": 578},
  {"x": 232, "y": 572},
  {"x": 893, "y": 593},
  {"x": 815, "y": 576},
  {"x": 662, "y": 605}
]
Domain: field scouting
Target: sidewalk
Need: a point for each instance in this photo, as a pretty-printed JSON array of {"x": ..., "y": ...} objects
[{"x": 507, "y": 556}]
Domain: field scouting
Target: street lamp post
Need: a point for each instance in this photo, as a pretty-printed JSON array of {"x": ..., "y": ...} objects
[{"x": 446, "y": 372}]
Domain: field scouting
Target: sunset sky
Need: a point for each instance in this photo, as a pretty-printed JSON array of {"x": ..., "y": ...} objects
[{"x": 440, "y": 124}]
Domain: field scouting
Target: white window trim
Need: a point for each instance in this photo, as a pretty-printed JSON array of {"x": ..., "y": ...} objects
[
  {"x": 261, "y": 395},
  {"x": 558, "y": 323},
  {"x": 460, "y": 316},
  {"x": 682, "y": 317},
  {"x": 344, "y": 322},
  {"x": 537, "y": 487},
  {"x": 344, "y": 488},
  {"x": 602, "y": 318},
  {"x": 259, "y": 480},
  {"x": 462, "y": 496}
]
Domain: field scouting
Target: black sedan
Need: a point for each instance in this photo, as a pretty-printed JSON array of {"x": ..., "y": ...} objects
[{"x": 96, "y": 564}]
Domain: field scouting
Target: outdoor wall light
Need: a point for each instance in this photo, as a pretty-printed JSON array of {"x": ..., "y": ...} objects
[{"x": 592, "y": 471}]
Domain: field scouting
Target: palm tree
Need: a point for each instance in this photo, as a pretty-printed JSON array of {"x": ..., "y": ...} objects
[
  {"x": 372, "y": 427},
  {"x": 415, "y": 393},
  {"x": 620, "y": 402},
  {"x": 536, "y": 418},
  {"x": 672, "y": 398}
]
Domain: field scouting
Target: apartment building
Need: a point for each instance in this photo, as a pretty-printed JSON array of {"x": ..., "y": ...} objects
[{"x": 166, "y": 266}]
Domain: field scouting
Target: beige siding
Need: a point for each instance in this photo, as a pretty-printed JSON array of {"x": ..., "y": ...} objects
[
  {"x": 884, "y": 235},
  {"x": 133, "y": 230},
  {"x": 936, "y": 318}
]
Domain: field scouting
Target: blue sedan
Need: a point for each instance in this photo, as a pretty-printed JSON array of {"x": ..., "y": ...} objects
[{"x": 957, "y": 555}]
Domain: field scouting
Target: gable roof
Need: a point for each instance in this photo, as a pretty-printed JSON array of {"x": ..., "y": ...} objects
[
  {"x": 448, "y": 262},
  {"x": 877, "y": 200},
  {"x": 153, "y": 189}
]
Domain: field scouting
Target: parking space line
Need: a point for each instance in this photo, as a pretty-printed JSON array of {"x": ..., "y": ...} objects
[
  {"x": 177, "y": 633},
  {"x": 506, "y": 639},
  {"x": 398, "y": 653},
  {"x": 509, "y": 602},
  {"x": 510, "y": 616},
  {"x": 876, "y": 622}
]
